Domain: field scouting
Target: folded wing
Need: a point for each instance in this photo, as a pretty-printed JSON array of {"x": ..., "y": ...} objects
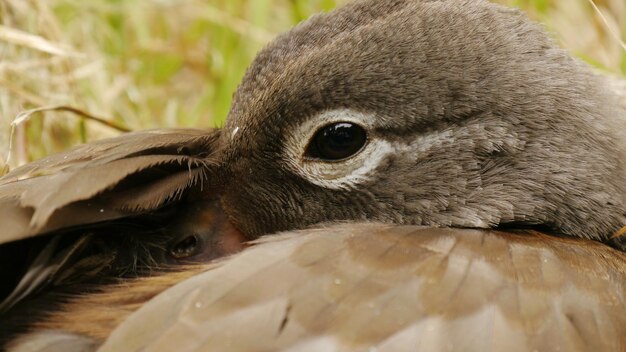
[
  {"x": 378, "y": 287},
  {"x": 105, "y": 180}
]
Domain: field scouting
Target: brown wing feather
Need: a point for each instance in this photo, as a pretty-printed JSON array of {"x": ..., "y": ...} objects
[
  {"x": 388, "y": 288},
  {"x": 104, "y": 180}
]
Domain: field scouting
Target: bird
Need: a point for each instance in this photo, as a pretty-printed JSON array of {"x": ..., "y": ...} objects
[{"x": 381, "y": 136}]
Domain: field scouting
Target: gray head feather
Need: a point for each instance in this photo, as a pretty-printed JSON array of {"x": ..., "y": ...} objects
[{"x": 484, "y": 121}]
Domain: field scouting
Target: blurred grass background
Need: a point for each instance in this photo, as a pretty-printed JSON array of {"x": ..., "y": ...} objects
[{"x": 165, "y": 63}]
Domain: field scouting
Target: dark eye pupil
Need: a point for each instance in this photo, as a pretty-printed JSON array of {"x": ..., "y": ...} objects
[{"x": 337, "y": 141}]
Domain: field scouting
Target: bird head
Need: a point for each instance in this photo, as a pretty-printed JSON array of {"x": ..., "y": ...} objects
[{"x": 442, "y": 113}]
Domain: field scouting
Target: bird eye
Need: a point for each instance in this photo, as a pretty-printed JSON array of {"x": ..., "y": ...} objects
[
  {"x": 336, "y": 141},
  {"x": 185, "y": 248}
]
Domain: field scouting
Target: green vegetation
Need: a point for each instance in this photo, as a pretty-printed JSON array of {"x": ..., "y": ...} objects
[{"x": 165, "y": 63}]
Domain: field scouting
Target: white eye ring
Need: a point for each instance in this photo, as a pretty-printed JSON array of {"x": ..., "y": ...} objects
[{"x": 340, "y": 174}]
